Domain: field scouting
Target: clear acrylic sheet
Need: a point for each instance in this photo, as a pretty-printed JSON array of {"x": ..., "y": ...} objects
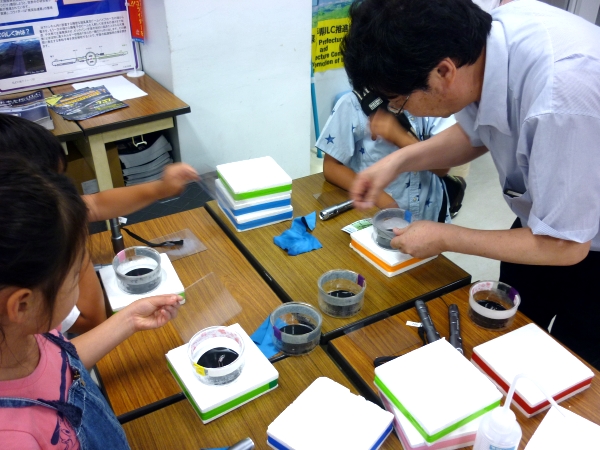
[
  {"x": 191, "y": 244},
  {"x": 404, "y": 339},
  {"x": 207, "y": 180},
  {"x": 207, "y": 303}
]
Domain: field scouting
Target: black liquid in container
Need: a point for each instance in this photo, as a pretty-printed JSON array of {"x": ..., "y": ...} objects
[
  {"x": 341, "y": 293},
  {"x": 138, "y": 272},
  {"x": 217, "y": 357},
  {"x": 297, "y": 329}
]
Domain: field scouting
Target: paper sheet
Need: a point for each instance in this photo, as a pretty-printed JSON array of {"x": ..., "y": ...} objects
[{"x": 119, "y": 87}]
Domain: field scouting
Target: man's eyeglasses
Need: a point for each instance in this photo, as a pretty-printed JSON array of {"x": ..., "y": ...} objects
[{"x": 397, "y": 111}]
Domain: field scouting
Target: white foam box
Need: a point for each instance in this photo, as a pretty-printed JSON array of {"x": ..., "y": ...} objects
[
  {"x": 254, "y": 178},
  {"x": 211, "y": 402},
  {"x": 240, "y": 207},
  {"x": 562, "y": 429},
  {"x": 411, "y": 439},
  {"x": 437, "y": 389},
  {"x": 389, "y": 262},
  {"x": 531, "y": 351},
  {"x": 119, "y": 299},
  {"x": 257, "y": 219},
  {"x": 328, "y": 416}
]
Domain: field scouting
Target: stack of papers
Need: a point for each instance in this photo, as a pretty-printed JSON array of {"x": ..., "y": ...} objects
[
  {"x": 31, "y": 107},
  {"x": 144, "y": 163},
  {"x": 437, "y": 390},
  {"x": 561, "y": 429},
  {"x": 531, "y": 351},
  {"x": 328, "y": 416},
  {"x": 254, "y": 193}
]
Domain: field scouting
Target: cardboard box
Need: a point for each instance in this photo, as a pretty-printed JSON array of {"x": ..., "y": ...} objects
[{"x": 80, "y": 172}]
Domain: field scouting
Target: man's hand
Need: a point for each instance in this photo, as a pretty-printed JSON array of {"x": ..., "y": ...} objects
[
  {"x": 384, "y": 124},
  {"x": 369, "y": 184},
  {"x": 175, "y": 177},
  {"x": 421, "y": 239}
]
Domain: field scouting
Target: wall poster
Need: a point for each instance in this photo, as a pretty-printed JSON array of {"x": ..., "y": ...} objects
[{"x": 44, "y": 42}]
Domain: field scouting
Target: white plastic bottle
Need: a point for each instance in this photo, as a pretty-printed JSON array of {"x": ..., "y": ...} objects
[{"x": 499, "y": 430}]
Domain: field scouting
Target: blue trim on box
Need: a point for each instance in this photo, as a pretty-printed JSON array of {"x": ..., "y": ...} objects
[
  {"x": 383, "y": 437},
  {"x": 377, "y": 444},
  {"x": 276, "y": 444},
  {"x": 255, "y": 208},
  {"x": 257, "y": 222}
]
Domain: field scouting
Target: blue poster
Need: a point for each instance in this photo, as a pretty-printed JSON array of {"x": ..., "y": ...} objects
[{"x": 45, "y": 42}]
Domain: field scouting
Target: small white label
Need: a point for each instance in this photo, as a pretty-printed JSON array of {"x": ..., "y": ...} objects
[{"x": 414, "y": 324}]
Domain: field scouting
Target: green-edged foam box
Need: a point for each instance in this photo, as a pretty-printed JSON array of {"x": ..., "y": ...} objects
[
  {"x": 210, "y": 402},
  {"x": 254, "y": 178},
  {"x": 437, "y": 389}
]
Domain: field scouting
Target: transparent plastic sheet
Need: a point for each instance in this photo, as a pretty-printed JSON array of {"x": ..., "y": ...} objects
[
  {"x": 405, "y": 339},
  {"x": 191, "y": 244},
  {"x": 207, "y": 180},
  {"x": 207, "y": 303}
]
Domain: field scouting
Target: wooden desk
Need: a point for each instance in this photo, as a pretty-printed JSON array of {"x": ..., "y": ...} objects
[
  {"x": 153, "y": 112},
  {"x": 355, "y": 352},
  {"x": 64, "y": 130},
  {"x": 294, "y": 278},
  {"x": 135, "y": 373},
  {"x": 178, "y": 425}
]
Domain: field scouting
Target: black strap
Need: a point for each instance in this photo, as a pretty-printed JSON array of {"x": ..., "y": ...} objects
[
  {"x": 442, "y": 214},
  {"x": 152, "y": 244}
]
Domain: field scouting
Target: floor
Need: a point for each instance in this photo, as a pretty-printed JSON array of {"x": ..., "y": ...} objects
[{"x": 483, "y": 208}]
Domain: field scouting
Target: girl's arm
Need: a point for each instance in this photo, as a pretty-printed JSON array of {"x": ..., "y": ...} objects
[
  {"x": 91, "y": 299},
  {"x": 125, "y": 200},
  {"x": 145, "y": 314}
]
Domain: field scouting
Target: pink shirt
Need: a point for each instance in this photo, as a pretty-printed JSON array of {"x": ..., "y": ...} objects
[{"x": 37, "y": 426}]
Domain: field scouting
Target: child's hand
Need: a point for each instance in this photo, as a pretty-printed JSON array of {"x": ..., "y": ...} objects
[
  {"x": 384, "y": 124},
  {"x": 175, "y": 177},
  {"x": 152, "y": 312}
]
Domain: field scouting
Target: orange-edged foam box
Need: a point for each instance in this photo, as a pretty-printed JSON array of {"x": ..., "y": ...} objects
[{"x": 389, "y": 262}]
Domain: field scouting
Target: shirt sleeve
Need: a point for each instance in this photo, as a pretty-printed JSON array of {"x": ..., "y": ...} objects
[
  {"x": 466, "y": 119},
  {"x": 561, "y": 155},
  {"x": 338, "y": 135}
]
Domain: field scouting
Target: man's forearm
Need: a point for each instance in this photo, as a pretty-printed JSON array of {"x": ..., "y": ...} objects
[
  {"x": 517, "y": 246},
  {"x": 121, "y": 201},
  {"x": 450, "y": 148}
]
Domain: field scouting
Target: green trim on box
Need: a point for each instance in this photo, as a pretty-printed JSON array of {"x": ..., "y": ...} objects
[
  {"x": 227, "y": 406},
  {"x": 440, "y": 434},
  {"x": 254, "y": 194}
]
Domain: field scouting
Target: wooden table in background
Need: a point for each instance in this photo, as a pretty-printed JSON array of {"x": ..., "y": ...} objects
[
  {"x": 152, "y": 112},
  {"x": 294, "y": 278},
  {"x": 356, "y": 351},
  {"x": 135, "y": 373},
  {"x": 178, "y": 426}
]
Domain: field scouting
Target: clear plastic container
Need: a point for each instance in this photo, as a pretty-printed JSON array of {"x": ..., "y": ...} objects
[
  {"x": 384, "y": 223},
  {"x": 217, "y": 355},
  {"x": 341, "y": 292},
  {"x": 493, "y": 304},
  {"x": 138, "y": 269},
  {"x": 296, "y": 328}
]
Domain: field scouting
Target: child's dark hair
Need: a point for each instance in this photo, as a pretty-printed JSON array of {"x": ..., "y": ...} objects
[
  {"x": 43, "y": 228},
  {"x": 393, "y": 45},
  {"x": 31, "y": 141}
]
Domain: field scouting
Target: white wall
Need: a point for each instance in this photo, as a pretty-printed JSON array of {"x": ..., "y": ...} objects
[{"x": 244, "y": 68}]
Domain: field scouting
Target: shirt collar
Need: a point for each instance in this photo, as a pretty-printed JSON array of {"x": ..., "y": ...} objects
[{"x": 493, "y": 107}]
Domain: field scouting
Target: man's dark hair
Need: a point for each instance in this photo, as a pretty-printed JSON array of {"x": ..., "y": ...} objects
[{"x": 393, "y": 45}]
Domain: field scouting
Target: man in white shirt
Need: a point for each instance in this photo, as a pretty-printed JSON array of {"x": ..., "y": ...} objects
[{"x": 523, "y": 83}]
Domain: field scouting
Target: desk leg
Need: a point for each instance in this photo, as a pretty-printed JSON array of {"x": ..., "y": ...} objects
[{"x": 95, "y": 155}]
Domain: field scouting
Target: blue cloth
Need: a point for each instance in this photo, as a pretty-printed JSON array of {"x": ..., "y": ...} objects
[
  {"x": 297, "y": 239},
  {"x": 539, "y": 116},
  {"x": 262, "y": 338},
  {"x": 346, "y": 137}
]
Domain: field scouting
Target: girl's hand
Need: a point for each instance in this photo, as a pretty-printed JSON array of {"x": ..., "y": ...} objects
[
  {"x": 175, "y": 177},
  {"x": 152, "y": 312}
]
